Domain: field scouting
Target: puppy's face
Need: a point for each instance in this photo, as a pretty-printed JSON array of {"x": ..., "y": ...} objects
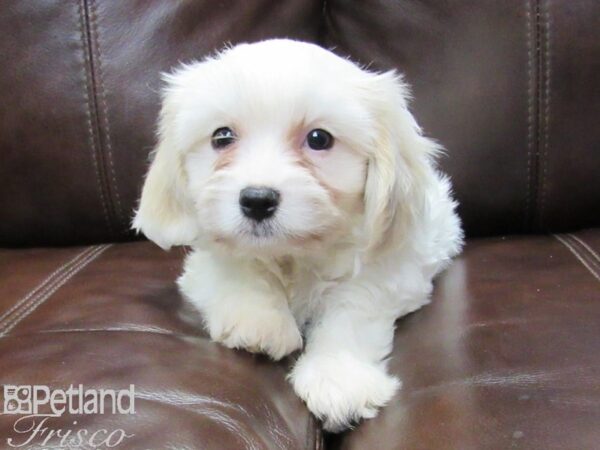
[{"x": 267, "y": 148}]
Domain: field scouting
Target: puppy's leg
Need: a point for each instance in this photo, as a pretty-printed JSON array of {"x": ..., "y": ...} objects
[
  {"x": 342, "y": 373},
  {"x": 243, "y": 305}
]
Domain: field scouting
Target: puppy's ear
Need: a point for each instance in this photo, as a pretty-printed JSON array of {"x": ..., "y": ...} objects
[
  {"x": 165, "y": 213},
  {"x": 400, "y": 167}
]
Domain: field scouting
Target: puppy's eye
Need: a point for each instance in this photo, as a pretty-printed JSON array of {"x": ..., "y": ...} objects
[
  {"x": 222, "y": 137},
  {"x": 318, "y": 139}
]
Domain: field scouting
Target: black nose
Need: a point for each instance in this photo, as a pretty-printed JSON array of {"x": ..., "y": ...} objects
[{"x": 259, "y": 203}]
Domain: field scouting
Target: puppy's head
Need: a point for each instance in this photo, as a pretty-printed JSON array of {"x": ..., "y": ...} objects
[{"x": 281, "y": 146}]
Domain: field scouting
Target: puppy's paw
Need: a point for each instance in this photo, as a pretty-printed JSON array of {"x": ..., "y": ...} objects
[
  {"x": 258, "y": 330},
  {"x": 342, "y": 389}
]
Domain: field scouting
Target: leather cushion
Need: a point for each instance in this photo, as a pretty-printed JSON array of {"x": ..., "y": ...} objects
[
  {"x": 509, "y": 88},
  {"x": 504, "y": 357},
  {"x": 80, "y": 100},
  {"x": 108, "y": 316}
]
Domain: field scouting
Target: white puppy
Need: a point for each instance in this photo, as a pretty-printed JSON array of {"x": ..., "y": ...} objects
[{"x": 313, "y": 207}]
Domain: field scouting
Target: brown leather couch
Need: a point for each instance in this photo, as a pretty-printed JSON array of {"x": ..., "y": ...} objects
[{"x": 507, "y": 355}]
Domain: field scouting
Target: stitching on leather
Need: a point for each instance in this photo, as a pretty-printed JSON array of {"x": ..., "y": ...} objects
[
  {"x": 87, "y": 77},
  {"x": 546, "y": 114},
  {"x": 322, "y": 31},
  {"x": 102, "y": 95},
  {"x": 60, "y": 282},
  {"x": 584, "y": 252},
  {"x": 49, "y": 288},
  {"x": 538, "y": 119},
  {"x": 586, "y": 246},
  {"x": 126, "y": 329},
  {"x": 577, "y": 255},
  {"x": 530, "y": 109},
  {"x": 42, "y": 285}
]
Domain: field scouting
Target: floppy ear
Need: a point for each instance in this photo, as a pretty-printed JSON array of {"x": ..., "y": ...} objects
[
  {"x": 165, "y": 213},
  {"x": 400, "y": 166}
]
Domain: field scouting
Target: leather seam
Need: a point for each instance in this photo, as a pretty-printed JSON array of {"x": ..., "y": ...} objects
[
  {"x": 101, "y": 94},
  {"x": 587, "y": 247},
  {"x": 41, "y": 286},
  {"x": 574, "y": 251},
  {"x": 60, "y": 282},
  {"x": 546, "y": 115},
  {"x": 583, "y": 251},
  {"x": 322, "y": 31},
  {"x": 87, "y": 82},
  {"x": 530, "y": 109},
  {"x": 536, "y": 109},
  {"x": 158, "y": 332},
  {"x": 534, "y": 183}
]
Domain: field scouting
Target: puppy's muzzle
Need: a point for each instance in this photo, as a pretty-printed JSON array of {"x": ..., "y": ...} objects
[{"x": 259, "y": 203}]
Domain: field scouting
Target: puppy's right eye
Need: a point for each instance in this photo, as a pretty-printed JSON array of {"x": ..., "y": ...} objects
[
  {"x": 222, "y": 137},
  {"x": 319, "y": 139}
]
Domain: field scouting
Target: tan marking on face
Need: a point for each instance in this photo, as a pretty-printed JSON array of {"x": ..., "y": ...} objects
[
  {"x": 225, "y": 158},
  {"x": 306, "y": 163},
  {"x": 296, "y": 135},
  {"x": 302, "y": 241},
  {"x": 296, "y": 139}
]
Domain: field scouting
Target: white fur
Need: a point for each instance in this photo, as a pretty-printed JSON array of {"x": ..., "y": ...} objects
[{"x": 360, "y": 232}]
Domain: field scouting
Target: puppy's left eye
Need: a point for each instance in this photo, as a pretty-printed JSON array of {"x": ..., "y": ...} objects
[
  {"x": 222, "y": 137},
  {"x": 319, "y": 139}
]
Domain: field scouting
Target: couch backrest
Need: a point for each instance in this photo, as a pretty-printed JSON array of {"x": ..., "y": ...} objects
[{"x": 511, "y": 89}]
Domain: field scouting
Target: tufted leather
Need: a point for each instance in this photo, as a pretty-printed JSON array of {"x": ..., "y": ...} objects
[
  {"x": 81, "y": 97},
  {"x": 509, "y": 88}
]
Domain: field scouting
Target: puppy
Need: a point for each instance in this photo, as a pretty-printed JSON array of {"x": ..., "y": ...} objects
[{"x": 313, "y": 207}]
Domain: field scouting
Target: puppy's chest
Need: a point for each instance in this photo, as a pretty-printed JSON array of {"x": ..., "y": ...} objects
[{"x": 307, "y": 282}]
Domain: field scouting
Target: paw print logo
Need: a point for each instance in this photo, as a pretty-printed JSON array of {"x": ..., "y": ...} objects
[{"x": 17, "y": 399}]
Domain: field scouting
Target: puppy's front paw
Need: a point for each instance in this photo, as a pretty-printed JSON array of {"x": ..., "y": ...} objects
[
  {"x": 258, "y": 330},
  {"x": 342, "y": 389}
]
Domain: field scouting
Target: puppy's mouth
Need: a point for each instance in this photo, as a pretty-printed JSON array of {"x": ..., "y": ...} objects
[
  {"x": 263, "y": 230},
  {"x": 269, "y": 238},
  {"x": 269, "y": 233}
]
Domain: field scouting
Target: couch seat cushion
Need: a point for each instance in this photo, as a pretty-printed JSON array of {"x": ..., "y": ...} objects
[
  {"x": 506, "y": 356},
  {"x": 109, "y": 316}
]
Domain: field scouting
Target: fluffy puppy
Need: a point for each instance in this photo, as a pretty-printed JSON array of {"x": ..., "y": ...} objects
[{"x": 313, "y": 207}]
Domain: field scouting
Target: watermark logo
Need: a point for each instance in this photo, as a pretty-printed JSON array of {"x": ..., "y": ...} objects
[
  {"x": 36, "y": 405},
  {"x": 17, "y": 400},
  {"x": 39, "y": 399}
]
